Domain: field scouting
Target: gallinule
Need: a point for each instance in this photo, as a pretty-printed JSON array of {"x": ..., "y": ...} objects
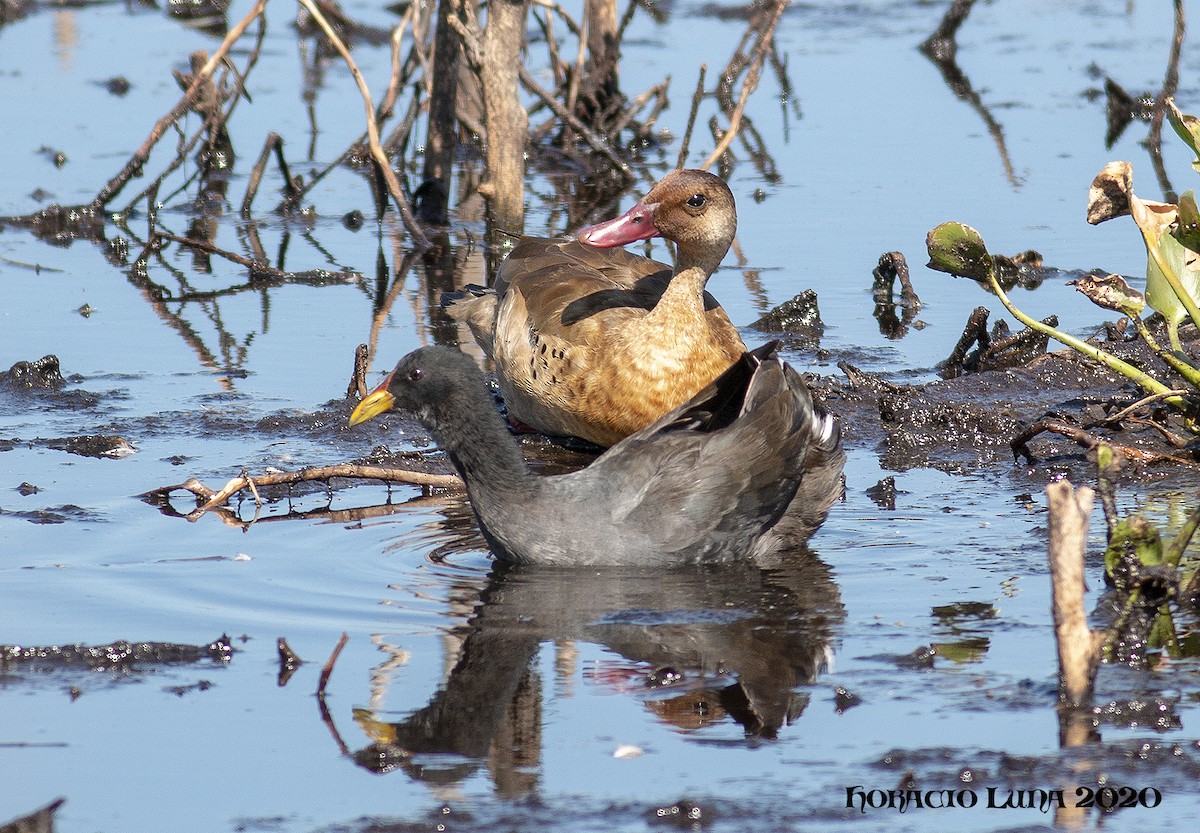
[{"x": 718, "y": 479}]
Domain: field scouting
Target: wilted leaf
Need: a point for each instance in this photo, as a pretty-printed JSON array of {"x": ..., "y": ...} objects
[
  {"x": 1112, "y": 292},
  {"x": 1188, "y": 128},
  {"x": 959, "y": 249},
  {"x": 1172, "y": 271},
  {"x": 1110, "y": 193}
]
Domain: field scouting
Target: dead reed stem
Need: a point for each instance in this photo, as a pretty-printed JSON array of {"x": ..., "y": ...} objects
[
  {"x": 1078, "y": 645},
  {"x": 381, "y": 160}
]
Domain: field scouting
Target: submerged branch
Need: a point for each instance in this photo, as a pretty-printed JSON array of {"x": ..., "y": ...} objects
[
  {"x": 595, "y": 141},
  {"x": 260, "y": 270},
  {"x": 761, "y": 48}
]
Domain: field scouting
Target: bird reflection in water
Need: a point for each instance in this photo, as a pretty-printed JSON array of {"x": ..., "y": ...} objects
[{"x": 699, "y": 646}]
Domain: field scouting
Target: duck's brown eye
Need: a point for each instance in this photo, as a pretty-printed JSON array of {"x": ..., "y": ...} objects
[
  {"x": 696, "y": 201},
  {"x": 415, "y": 374}
]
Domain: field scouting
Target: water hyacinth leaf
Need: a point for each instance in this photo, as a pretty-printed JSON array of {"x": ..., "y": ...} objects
[
  {"x": 1132, "y": 540},
  {"x": 959, "y": 249},
  {"x": 1163, "y": 633},
  {"x": 1110, "y": 193},
  {"x": 1172, "y": 281},
  {"x": 1113, "y": 293},
  {"x": 1187, "y": 229},
  {"x": 1188, "y": 128},
  {"x": 1172, "y": 273}
]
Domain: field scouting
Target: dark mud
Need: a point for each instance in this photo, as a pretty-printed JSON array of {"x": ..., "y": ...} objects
[
  {"x": 976, "y": 421},
  {"x": 121, "y": 657},
  {"x": 80, "y": 669}
]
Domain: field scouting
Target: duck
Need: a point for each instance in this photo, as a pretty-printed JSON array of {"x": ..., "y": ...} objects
[
  {"x": 589, "y": 340},
  {"x": 713, "y": 481}
]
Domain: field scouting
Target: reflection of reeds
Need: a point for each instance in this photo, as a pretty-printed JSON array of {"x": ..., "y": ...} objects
[
  {"x": 201, "y": 96},
  {"x": 762, "y": 32},
  {"x": 467, "y": 79},
  {"x": 942, "y": 49}
]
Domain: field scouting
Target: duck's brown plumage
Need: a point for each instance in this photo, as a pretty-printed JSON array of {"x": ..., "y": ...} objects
[{"x": 592, "y": 341}]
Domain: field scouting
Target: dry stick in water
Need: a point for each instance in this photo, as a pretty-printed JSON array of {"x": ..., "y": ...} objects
[
  {"x": 286, "y": 478},
  {"x": 1078, "y": 645},
  {"x": 381, "y": 160},
  {"x": 292, "y": 189},
  {"x": 385, "y": 108},
  {"x": 659, "y": 92},
  {"x": 697, "y": 97},
  {"x": 328, "y": 668},
  {"x": 358, "y": 378},
  {"x": 597, "y": 142},
  {"x": 258, "y": 269}
]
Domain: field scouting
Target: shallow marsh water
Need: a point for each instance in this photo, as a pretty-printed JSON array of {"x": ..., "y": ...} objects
[{"x": 873, "y": 151}]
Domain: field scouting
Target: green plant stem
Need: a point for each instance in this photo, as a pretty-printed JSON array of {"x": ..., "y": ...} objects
[
  {"x": 1184, "y": 369},
  {"x": 1174, "y": 552},
  {"x": 1119, "y": 624},
  {"x": 1147, "y": 382}
]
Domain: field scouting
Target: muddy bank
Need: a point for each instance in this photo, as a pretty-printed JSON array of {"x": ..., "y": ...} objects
[{"x": 991, "y": 419}]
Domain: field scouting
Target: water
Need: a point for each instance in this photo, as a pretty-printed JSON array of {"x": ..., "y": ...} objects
[{"x": 873, "y": 151}]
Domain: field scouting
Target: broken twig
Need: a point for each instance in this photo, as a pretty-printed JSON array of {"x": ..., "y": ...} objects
[{"x": 384, "y": 166}]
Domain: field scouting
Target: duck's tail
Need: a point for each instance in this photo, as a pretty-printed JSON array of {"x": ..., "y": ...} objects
[{"x": 474, "y": 306}]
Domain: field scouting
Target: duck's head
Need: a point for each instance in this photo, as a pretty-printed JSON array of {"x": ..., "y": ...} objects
[{"x": 694, "y": 209}]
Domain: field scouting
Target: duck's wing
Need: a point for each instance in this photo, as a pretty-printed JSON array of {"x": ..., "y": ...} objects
[
  {"x": 562, "y": 311},
  {"x": 534, "y": 255},
  {"x": 540, "y": 279}
]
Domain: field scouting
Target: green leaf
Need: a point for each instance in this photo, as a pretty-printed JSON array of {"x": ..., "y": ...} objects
[
  {"x": 1132, "y": 538},
  {"x": 961, "y": 651},
  {"x": 1170, "y": 263},
  {"x": 959, "y": 249},
  {"x": 1188, "y": 128},
  {"x": 1162, "y": 633},
  {"x": 1187, "y": 229}
]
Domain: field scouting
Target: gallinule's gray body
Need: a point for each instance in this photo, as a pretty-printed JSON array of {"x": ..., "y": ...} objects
[{"x": 746, "y": 467}]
